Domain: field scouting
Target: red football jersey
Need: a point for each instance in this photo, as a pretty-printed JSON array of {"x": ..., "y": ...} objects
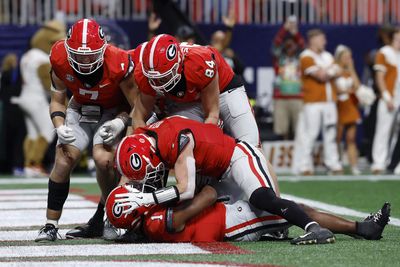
[
  {"x": 213, "y": 149},
  {"x": 200, "y": 65},
  {"x": 106, "y": 93},
  {"x": 208, "y": 226}
]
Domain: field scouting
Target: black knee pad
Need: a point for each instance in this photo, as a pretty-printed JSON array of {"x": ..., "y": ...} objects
[
  {"x": 58, "y": 193},
  {"x": 263, "y": 198}
]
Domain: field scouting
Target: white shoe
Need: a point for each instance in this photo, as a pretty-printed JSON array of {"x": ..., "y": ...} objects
[
  {"x": 355, "y": 171},
  {"x": 397, "y": 170},
  {"x": 34, "y": 172}
]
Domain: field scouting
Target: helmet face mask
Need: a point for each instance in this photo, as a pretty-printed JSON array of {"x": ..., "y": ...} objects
[
  {"x": 164, "y": 81},
  {"x": 161, "y": 61},
  {"x": 85, "y": 45},
  {"x": 154, "y": 178}
]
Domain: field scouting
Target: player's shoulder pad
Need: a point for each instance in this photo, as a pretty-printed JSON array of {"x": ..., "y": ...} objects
[
  {"x": 58, "y": 54},
  {"x": 200, "y": 65},
  {"x": 119, "y": 62}
]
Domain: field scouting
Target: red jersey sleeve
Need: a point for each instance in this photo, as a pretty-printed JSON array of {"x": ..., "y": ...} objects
[
  {"x": 200, "y": 66},
  {"x": 58, "y": 58},
  {"x": 119, "y": 62}
]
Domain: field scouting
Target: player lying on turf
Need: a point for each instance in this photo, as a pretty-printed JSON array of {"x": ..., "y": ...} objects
[
  {"x": 205, "y": 220},
  {"x": 189, "y": 146}
]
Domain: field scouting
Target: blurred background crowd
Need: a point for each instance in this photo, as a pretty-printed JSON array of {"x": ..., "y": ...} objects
[{"x": 323, "y": 75}]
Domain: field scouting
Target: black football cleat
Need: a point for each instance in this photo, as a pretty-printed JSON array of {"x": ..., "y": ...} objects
[
  {"x": 130, "y": 236},
  {"x": 91, "y": 229},
  {"x": 315, "y": 235},
  {"x": 48, "y": 233},
  {"x": 372, "y": 226}
]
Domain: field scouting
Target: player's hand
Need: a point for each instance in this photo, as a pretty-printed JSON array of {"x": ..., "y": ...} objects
[
  {"x": 133, "y": 199},
  {"x": 230, "y": 20},
  {"x": 154, "y": 22},
  {"x": 65, "y": 134},
  {"x": 110, "y": 130}
]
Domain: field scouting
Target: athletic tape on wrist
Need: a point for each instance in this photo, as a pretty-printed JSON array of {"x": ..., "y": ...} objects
[{"x": 165, "y": 195}]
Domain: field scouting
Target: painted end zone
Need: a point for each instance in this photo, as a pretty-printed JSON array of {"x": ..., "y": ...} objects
[{"x": 222, "y": 248}]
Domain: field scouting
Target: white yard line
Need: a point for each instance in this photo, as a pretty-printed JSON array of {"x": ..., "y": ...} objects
[
  {"x": 19, "y": 181},
  {"x": 25, "y": 205},
  {"x": 6, "y": 192},
  {"x": 99, "y": 250},
  {"x": 16, "y": 197},
  {"x": 37, "y": 217},
  {"x": 335, "y": 209},
  {"x": 25, "y": 235},
  {"x": 111, "y": 263}
]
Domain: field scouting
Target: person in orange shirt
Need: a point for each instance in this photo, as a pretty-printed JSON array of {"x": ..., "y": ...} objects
[
  {"x": 346, "y": 85},
  {"x": 387, "y": 63},
  {"x": 319, "y": 110}
]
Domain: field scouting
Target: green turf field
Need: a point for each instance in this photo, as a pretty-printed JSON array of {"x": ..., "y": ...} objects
[{"x": 361, "y": 196}]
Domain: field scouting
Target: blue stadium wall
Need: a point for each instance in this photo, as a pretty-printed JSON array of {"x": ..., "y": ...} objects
[{"x": 252, "y": 43}]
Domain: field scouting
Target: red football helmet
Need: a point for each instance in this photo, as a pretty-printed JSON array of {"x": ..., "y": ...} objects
[
  {"x": 136, "y": 159},
  {"x": 117, "y": 218},
  {"x": 161, "y": 61},
  {"x": 85, "y": 45}
]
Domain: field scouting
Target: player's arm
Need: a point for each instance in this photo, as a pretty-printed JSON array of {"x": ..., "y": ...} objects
[
  {"x": 185, "y": 170},
  {"x": 210, "y": 101},
  {"x": 142, "y": 111},
  {"x": 57, "y": 102},
  {"x": 181, "y": 215},
  {"x": 57, "y": 110},
  {"x": 130, "y": 89}
]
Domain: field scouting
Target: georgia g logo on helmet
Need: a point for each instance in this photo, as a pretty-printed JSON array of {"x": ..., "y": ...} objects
[
  {"x": 101, "y": 32},
  {"x": 171, "y": 51},
  {"x": 117, "y": 210},
  {"x": 135, "y": 161}
]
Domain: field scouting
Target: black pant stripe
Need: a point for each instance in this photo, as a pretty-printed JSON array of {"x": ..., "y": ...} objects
[{"x": 259, "y": 164}]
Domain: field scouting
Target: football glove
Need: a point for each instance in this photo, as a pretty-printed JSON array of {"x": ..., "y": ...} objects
[
  {"x": 65, "y": 134},
  {"x": 110, "y": 130},
  {"x": 133, "y": 199}
]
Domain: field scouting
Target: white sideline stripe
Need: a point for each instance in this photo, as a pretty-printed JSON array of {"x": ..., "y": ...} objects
[
  {"x": 335, "y": 209},
  {"x": 98, "y": 250},
  {"x": 108, "y": 264},
  {"x": 9, "y": 198},
  {"x": 43, "y": 204},
  {"x": 24, "y": 235},
  {"x": 289, "y": 178},
  {"x": 18, "y": 218}
]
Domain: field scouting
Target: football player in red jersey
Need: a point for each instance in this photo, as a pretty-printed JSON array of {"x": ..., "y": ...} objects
[
  {"x": 205, "y": 220},
  {"x": 188, "y": 147},
  {"x": 198, "y": 83},
  {"x": 100, "y": 78}
]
